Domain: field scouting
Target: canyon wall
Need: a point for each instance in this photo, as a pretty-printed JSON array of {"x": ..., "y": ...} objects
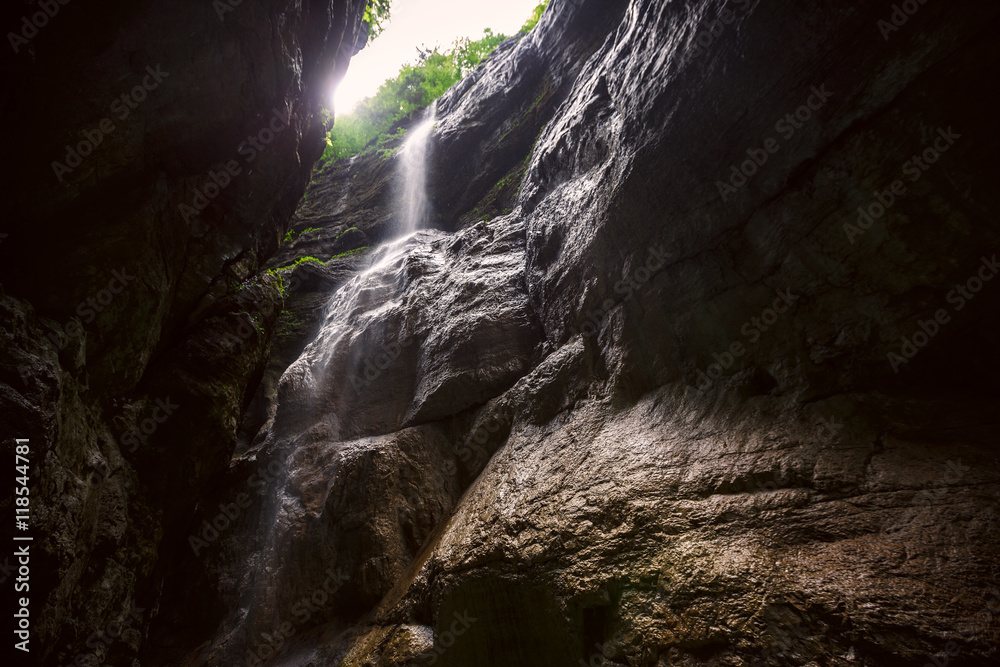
[
  {"x": 155, "y": 152},
  {"x": 656, "y": 391},
  {"x": 694, "y": 366}
]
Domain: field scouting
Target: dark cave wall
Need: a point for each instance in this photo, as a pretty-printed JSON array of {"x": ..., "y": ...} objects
[
  {"x": 128, "y": 353},
  {"x": 713, "y": 459},
  {"x": 223, "y": 77},
  {"x": 808, "y": 505}
]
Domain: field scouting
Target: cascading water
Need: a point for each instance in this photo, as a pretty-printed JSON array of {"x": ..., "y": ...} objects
[
  {"x": 365, "y": 393},
  {"x": 337, "y": 399},
  {"x": 414, "y": 207},
  {"x": 345, "y": 385}
]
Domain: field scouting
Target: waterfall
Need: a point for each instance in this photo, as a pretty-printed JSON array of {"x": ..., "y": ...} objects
[
  {"x": 414, "y": 207},
  {"x": 348, "y": 387}
]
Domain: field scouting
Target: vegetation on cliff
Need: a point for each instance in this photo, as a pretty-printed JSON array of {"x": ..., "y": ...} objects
[
  {"x": 414, "y": 88},
  {"x": 376, "y": 15}
]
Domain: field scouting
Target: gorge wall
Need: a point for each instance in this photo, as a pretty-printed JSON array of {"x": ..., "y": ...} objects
[
  {"x": 156, "y": 152},
  {"x": 653, "y": 389}
]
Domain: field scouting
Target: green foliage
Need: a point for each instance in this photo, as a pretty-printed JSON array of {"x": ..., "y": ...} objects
[
  {"x": 348, "y": 253},
  {"x": 302, "y": 260},
  {"x": 467, "y": 53},
  {"x": 282, "y": 285},
  {"x": 376, "y": 16},
  {"x": 384, "y": 144},
  {"x": 415, "y": 87},
  {"x": 281, "y": 269},
  {"x": 536, "y": 15},
  {"x": 292, "y": 234}
]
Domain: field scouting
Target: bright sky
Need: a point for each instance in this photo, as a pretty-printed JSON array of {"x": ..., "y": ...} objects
[{"x": 424, "y": 23}]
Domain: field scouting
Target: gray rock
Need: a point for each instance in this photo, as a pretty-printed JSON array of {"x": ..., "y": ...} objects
[{"x": 652, "y": 391}]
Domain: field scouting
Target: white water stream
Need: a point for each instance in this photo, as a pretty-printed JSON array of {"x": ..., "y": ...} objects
[
  {"x": 346, "y": 371},
  {"x": 414, "y": 206}
]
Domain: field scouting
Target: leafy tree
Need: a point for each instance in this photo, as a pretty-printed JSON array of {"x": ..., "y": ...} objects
[
  {"x": 536, "y": 15},
  {"x": 467, "y": 54},
  {"x": 415, "y": 87},
  {"x": 376, "y": 16}
]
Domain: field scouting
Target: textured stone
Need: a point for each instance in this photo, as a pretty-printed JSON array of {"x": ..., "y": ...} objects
[
  {"x": 798, "y": 503},
  {"x": 635, "y": 417},
  {"x": 135, "y": 339}
]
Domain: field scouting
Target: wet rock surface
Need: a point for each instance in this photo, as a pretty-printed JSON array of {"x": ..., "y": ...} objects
[
  {"x": 136, "y": 324},
  {"x": 713, "y": 460},
  {"x": 652, "y": 391}
]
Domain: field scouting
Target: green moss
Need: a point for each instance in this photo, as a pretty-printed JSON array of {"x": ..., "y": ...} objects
[
  {"x": 282, "y": 285},
  {"x": 281, "y": 271},
  {"x": 303, "y": 260},
  {"x": 292, "y": 234},
  {"x": 348, "y": 253}
]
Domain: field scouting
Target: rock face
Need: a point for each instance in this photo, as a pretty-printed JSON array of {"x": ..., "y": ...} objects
[
  {"x": 160, "y": 150},
  {"x": 653, "y": 391}
]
